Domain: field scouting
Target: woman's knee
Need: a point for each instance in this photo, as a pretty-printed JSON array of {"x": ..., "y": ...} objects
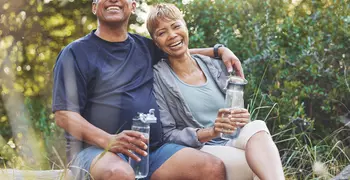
[
  {"x": 259, "y": 125},
  {"x": 248, "y": 131},
  {"x": 260, "y": 128}
]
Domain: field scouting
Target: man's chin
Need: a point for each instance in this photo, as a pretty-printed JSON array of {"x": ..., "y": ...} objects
[{"x": 115, "y": 21}]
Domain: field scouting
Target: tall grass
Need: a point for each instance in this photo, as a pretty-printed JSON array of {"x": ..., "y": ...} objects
[{"x": 304, "y": 154}]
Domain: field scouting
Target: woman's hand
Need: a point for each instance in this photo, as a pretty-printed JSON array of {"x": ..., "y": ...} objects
[
  {"x": 222, "y": 125},
  {"x": 230, "y": 60},
  {"x": 227, "y": 121},
  {"x": 223, "y": 122},
  {"x": 240, "y": 117}
]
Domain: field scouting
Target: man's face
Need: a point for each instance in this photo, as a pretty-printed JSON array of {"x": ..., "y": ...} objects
[{"x": 113, "y": 11}]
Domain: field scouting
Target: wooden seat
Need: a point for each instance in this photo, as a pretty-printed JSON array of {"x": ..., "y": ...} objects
[{"x": 14, "y": 174}]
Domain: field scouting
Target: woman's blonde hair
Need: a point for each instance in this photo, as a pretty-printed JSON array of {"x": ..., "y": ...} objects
[{"x": 162, "y": 11}]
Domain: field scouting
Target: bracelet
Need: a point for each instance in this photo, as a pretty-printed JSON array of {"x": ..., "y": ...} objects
[{"x": 216, "y": 50}]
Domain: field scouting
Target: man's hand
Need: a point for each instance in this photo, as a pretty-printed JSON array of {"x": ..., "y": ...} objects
[
  {"x": 128, "y": 142},
  {"x": 231, "y": 60}
]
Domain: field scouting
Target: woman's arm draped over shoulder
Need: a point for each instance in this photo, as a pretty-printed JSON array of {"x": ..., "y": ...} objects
[{"x": 228, "y": 57}]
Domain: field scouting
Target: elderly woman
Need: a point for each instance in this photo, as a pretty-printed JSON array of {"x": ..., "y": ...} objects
[{"x": 190, "y": 94}]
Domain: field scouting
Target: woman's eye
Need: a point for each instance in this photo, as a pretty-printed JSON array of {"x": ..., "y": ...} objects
[
  {"x": 177, "y": 26},
  {"x": 160, "y": 34}
]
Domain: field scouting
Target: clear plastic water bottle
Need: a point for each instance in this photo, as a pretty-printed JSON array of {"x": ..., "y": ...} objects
[
  {"x": 234, "y": 99},
  {"x": 141, "y": 123}
]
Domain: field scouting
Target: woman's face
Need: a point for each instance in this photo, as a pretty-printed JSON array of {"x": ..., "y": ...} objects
[{"x": 171, "y": 36}]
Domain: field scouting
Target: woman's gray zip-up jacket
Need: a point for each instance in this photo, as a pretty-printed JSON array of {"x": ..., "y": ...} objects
[{"x": 179, "y": 126}]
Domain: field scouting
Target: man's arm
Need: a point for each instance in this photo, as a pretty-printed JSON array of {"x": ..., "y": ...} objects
[
  {"x": 81, "y": 129},
  {"x": 69, "y": 95},
  {"x": 228, "y": 57}
]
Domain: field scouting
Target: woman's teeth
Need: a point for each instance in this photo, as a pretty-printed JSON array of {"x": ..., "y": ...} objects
[{"x": 175, "y": 44}]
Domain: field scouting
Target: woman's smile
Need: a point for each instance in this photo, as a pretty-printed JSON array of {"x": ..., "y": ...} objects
[
  {"x": 176, "y": 44},
  {"x": 172, "y": 37}
]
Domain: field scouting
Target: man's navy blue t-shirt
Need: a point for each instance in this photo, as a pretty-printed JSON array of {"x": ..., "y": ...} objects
[{"x": 108, "y": 83}]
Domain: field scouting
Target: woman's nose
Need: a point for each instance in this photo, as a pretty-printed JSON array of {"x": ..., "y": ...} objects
[{"x": 172, "y": 34}]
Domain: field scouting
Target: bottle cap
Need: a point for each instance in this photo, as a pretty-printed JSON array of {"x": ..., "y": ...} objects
[
  {"x": 235, "y": 82},
  {"x": 150, "y": 117},
  {"x": 138, "y": 116}
]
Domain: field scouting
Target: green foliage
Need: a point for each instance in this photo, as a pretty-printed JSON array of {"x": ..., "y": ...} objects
[{"x": 32, "y": 33}]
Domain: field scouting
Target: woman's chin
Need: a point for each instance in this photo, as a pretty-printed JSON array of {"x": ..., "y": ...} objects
[{"x": 177, "y": 54}]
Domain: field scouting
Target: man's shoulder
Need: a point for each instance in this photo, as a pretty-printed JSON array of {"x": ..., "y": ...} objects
[
  {"x": 83, "y": 42},
  {"x": 140, "y": 37},
  {"x": 142, "y": 40},
  {"x": 79, "y": 50},
  {"x": 80, "y": 47}
]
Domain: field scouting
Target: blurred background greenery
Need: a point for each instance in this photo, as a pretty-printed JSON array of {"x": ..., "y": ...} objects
[{"x": 295, "y": 55}]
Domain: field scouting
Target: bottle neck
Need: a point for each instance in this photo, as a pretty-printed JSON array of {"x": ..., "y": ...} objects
[
  {"x": 235, "y": 87},
  {"x": 138, "y": 122}
]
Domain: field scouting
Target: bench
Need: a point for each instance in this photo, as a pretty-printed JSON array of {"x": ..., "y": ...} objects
[{"x": 14, "y": 174}]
